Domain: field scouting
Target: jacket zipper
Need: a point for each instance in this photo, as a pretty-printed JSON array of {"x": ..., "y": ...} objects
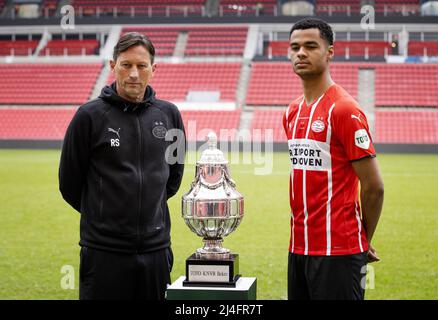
[{"x": 141, "y": 180}]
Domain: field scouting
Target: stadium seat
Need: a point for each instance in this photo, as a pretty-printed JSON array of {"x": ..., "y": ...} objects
[
  {"x": 164, "y": 39},
  {"x": 62, "y": 84},
  {"x": 248, "y": 7},
  {"x": 49, "y": 7},
  {"x": 216, "y": 41},
  {"x": 51, "y": 124},
  {"x": 268, "y": 119},
  {"x": 406, "y": 85},
  {"x": 34, "y": 123},
  {"x": 423, "y": 48},
  {"x": 404, "y": 7},
  {"x": 174, "y": 81},
  {"x": 139, "y": 7},
  {"x": 406, "y": 126},
  {"x": 70, "y": 47},
  {"x": 199, "y": 123},
  {"x": 275, "y": 84},
  {"x": 347, "y": 7},
  {"x": 337, "y": 7},
  {"x": 18, "y": 47},
  {"x": 358, "y": 49}
]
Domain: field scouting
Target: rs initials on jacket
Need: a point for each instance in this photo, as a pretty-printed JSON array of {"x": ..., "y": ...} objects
[{"x": 115, "y": 142}]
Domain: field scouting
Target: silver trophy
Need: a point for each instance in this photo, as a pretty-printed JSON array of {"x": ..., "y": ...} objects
[{"x": 212, "y": 209}]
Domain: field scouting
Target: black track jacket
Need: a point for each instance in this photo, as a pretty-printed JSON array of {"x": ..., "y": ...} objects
[{"x": 114, "y": 170}]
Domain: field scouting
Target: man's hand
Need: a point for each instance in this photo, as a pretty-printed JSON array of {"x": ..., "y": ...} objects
[
  {"x": 372, "y": 255},
  {"x": 371, "y": 194}
]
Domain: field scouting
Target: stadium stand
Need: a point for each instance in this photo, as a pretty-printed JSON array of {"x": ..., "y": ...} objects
[
  {"x": 201, "y": 41},
  {"x": 274, "y": 84},
  {"x": 139, "y": 7},
  {"x": 392, "y": 126},
  {"x": 51, "y": 123},
  {"x": 174, "y": 81},
  {"x": 49, "y": 8},
  {"x": 406, "y": 85},
  {"x": 214, "y": 41},
  {"x": 423, "y": 48},
  {"x": 204, "y": 121},
  {"x": 164, "y": 39},
  {"x": 343, "y": 49},
  {"x": 210, "y": 60},
  {"x": 248, "y": 7},
  {"x": 404, "y": 7},
  {"x": 396, "y": 84},
  {"x": 33, "y": 84},
  {"x": 34, "y": 123},
  {"x": 349, "y": 7},
  {"x": 277, "y": 49},
  {"x": 70, "y": 47},
  {"x": 407, "y": 126},
  {"x": 2, "y": 4},
  {"x": 329, "y": 7},
  {"x": 17, "y": 47},
  {"x": 362, "y": 49},
  {"x": 268, "y": 119}
]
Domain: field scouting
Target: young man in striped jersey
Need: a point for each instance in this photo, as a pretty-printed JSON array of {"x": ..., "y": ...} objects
[{"x": 331, "y": 151}]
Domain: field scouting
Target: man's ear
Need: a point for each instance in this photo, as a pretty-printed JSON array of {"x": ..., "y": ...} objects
[
  {"x": 330, "y": 53},
  {"x": 112, "y": 65},
  {"x": 154, "y": 67}
]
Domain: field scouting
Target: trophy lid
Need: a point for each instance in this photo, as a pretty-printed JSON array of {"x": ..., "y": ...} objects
[{"x": 212, "y": 155}]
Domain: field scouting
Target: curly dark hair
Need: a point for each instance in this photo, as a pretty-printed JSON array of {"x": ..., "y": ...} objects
[{"x": 325, "y": 30}]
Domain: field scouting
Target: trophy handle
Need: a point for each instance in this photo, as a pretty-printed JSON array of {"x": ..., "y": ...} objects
[{"x": 227, "y": 176}]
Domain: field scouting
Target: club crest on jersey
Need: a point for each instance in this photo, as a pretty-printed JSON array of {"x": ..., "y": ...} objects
[
  {"x": 159, "y": 130},
  {"x": 318, "y": 126},
  {"x": 361, "y": 139}
]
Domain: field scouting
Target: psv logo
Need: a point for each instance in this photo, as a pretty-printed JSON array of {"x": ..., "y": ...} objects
[{"x": 318, "y": 126}]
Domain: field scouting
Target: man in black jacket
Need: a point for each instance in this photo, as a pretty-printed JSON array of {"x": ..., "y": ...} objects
[{"x": 122, "y": 158}]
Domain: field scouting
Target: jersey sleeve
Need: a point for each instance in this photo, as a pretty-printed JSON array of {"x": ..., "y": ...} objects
[{"x": 350, "y": 126}]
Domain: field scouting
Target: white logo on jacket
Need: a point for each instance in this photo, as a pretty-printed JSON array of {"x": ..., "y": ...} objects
[{"x": 115, "y": 142}]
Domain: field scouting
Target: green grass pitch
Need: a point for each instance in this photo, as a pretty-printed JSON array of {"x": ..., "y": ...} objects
[{"x": 39, "y": 232}]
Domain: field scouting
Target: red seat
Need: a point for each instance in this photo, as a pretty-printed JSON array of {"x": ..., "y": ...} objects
[
  {"x": 34, "y": 123},
  {"x": 267, "y": 122},
  {"x": 174, "y": 81},
  {"x": 274, "y": 83},
  {"x": 70, "y": 47},
  {"x": 199, "y": 123},
  {"x": 69, "y": 84},
  {"x": 406, "y": 126}
]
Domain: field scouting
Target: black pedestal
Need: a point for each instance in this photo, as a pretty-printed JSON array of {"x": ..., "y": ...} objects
[{"x": 221, "y": 270}]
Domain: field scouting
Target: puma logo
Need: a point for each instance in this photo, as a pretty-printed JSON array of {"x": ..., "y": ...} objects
[
  {"x": 114, "y": 131},
  {"x": 356, "y": 117}
]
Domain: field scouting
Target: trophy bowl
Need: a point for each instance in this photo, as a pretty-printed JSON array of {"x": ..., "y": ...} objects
[{"x": 213, "y": 208}]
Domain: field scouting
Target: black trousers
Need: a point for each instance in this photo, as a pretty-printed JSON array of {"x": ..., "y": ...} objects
[
  {"x": 327, "y": 278},
  {"x": 105, "y": 275}
]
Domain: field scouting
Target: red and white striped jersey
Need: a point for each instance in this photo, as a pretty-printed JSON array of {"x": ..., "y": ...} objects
[{"x": 324, "y": 138}]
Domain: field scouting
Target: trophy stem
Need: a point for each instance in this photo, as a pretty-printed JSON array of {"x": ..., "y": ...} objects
[{"x": 213, "y": 246}]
